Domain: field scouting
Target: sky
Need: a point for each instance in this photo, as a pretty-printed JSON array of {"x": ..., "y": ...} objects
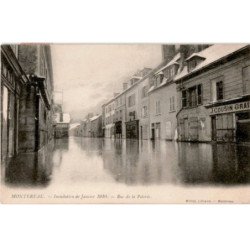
[{"x": 88, "y": 75}]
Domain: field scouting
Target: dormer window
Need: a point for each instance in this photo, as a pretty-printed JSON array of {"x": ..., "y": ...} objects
[
  {"x": 193, "y": 61},
  {"x": 159, "y": 79},
  {"x": 134, "y": 80}
]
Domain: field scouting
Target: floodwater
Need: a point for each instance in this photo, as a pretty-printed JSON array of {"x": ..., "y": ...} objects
[{"x": 80, "y": 161}]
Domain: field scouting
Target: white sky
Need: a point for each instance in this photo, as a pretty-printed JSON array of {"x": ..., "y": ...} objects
[{"x": 90, "y": 74}]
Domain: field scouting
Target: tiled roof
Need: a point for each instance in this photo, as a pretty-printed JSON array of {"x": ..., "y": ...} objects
[{"x": 212, "y": 54}]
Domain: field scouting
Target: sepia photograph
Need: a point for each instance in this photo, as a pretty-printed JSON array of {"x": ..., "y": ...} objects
[{"x": 125, "y": 123}]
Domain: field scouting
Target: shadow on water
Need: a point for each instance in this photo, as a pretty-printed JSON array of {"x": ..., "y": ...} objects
[
  {"x": 35, "y": 168},
  {"x": 131, "y": 162}
]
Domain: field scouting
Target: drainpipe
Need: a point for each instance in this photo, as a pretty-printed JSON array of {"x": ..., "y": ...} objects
[{"x": 37, "y": 134}]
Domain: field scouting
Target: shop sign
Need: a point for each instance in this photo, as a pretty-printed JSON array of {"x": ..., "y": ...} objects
[{"x": 230, "y": 108}]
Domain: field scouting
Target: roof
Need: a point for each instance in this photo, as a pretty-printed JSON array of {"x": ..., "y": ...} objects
[
  {"x": 66, "y": 118},
  {"x": 74, "y": 125},
  {"x": 212, "y": 54},
  {"x": 194, "y": 55},
  {"x": 94, "y": 117},
  {"x": 173, "y": 61}
]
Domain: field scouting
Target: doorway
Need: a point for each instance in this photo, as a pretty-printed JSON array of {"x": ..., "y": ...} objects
[
  {"x": 186, "y": 129},
  {"x": 243, "y": 127}
]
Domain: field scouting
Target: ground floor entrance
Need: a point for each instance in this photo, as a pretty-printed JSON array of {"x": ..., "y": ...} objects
[
  {"x": 118, "y": 129},
  {"x": 231, "y": 127},
  {"x": 243, "y": 127},
  {"x": 132, "y": 129}
]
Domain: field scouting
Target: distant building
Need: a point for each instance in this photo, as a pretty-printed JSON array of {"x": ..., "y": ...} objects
[
  {"x": 62, "y": 125},
  {"x": 96, "y": 126},
  {"x": 214, "y": 95},
  {"x": 120, "y": 115},
  {"x": 109, "y": 117}
]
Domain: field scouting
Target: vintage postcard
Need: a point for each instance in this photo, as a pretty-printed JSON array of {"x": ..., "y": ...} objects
[{"x": 125, "y": 123}]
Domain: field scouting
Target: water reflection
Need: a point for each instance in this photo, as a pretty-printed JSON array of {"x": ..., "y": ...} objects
[
  {"x": 80, "y": 161},
  {"x": 31, "y": 169}
]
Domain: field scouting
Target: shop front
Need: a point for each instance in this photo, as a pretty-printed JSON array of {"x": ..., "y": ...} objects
[
  {"x": 10, "y": 93},
  {"x": 132, "y": 129},
  {"x": 231, "y": 122}
]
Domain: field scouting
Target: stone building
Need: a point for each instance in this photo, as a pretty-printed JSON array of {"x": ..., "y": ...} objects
[
  {"x": 13, "y": 79},
  {"x": 214, "y": 93},
  {"x": 26, "y": 99},
  {"x": 36, "y": 101}
]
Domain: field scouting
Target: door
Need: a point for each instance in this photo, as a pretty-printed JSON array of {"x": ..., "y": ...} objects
[
  {"x": 153, "y": 134},
  {"x": 158, "y": 131},
  {"x": 186, "y": 129},
  {"x": 243, "y": 127}
]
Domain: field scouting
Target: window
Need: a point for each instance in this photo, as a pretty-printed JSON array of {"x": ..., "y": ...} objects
[
  {"x": 159, "y": 79},
  {"x": 192, "y": 97},
  {"x": 144, "y": 92},
  {"x": 131, "y": 100},
  {"x": 158, "y": 107},
  {"x": 144, "y": 111},
  {"x": 172, "y": 71},
  {"x": 184, "y": 98},
  {"x": 192, "y": 64},
  {"x": 219, "y": 90},
  {"x": 199, "y": 93},
  {"x": 172, "y": 104}
]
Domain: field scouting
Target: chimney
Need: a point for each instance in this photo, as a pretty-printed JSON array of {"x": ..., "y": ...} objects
[
  {"x": 116, "y": 94},
  {"x": 168, "y": 52},
  {"x": 61, "y": 116},
  {"x": 125, "y": 86},
  {"x": 184, "y": 52}
]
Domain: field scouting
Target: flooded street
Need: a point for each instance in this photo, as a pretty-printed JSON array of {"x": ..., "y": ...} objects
[{"x": 81, "y": 161}]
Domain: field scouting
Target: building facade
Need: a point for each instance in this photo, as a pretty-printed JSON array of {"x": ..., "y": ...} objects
[
  {"x": 109, "y": 117},
  {"x": 120, "y": 114},
  {"x": 62, "y": 125},
  {"x": 213, "y": 93},
  {"x": 163, "y": 101},
  {"x": 26, "y": 99},
  {"x": 36, "y": 101},
  {"x": 96, "y": 126},
  {"x": 13, "y": 79}
]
